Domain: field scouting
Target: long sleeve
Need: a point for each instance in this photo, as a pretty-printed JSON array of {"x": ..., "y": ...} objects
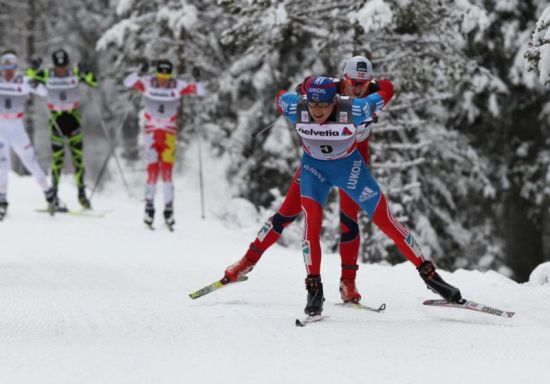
[
  {"x": 32, "y": 86},
  {"x": 133, "y": 80},
  {"x": 287, "y": 104}
]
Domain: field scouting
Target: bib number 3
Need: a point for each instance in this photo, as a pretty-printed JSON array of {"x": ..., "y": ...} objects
[{"x": 326, "y": 149}]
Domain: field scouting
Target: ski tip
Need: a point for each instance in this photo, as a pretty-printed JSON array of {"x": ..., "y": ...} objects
[{"x": 299, "y": 323}]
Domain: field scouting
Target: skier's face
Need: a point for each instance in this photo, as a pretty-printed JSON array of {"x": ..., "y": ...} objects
[
  {"x": 61, "y": 71},
  {"x": 356, "y": 87},
  {"x": 163, "y": 81},
  {"x": 8, "y": 74},
  {"x": 320, "y": 110},
  {"x": 8, "y": 70}
]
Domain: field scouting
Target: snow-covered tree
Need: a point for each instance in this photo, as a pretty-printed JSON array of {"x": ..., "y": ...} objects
[
  {"x": 538, "y": 55},
  {"x": 447, "y": 150}
]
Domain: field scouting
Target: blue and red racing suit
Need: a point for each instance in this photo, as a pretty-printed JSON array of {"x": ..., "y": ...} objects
[
  {"x": 331, "y": 159},
  {"x": 291, "y": 207}
]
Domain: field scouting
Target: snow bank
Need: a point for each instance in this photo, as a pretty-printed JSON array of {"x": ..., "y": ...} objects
[{"x": 540, "y": 275}]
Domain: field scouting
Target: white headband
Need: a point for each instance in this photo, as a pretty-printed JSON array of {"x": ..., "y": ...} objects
[{"x": 8, "y": 58}]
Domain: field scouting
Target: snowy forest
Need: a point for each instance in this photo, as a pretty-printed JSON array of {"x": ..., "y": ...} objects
[{"x": 462, "y": 151}]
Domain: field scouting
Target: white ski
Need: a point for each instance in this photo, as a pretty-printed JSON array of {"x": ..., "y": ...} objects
[
  {"x": 381, "y": 308},
  {"x": 472, "y": 306}
]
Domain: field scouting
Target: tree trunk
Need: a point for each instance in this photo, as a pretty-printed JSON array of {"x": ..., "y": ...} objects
[{"x": 524, "y": 239}]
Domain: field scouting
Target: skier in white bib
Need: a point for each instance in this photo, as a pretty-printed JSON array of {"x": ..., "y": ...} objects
[
  {"x": 14, "y": 90},
  {"x": 62, "y": 83},
  {"x": 161, "y": 94}
]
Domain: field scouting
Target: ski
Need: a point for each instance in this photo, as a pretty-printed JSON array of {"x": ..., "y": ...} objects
[
  {"x": 380, "y": 308},
  {"x": 471, "y": 305},
  {"x": 309, "y": 319},
  {"x": 71, "y": 212},
  {"x": 216, "y": 285}
]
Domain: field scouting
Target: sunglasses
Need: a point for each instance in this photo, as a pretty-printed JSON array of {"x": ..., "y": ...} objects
[
  {"x": 357, "y": 82},
  {"x": 6, "y": 67},
  {"x": 321, "y": 104},
  {"x": 163, "y": 75}
]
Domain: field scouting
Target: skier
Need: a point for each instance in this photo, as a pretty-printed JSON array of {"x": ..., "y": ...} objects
[
  {"x": 62, "y": 83},
  {"x": 328, "y": 127},
  {"x": 161, "y": 94},
  {"x": 14, "y": 90},
  {"x": 357, "y": 82}
]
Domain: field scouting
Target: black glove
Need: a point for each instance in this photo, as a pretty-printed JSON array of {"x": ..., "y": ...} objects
[
  {"x": 373, "y": 87},
  {"x": 196, "y": 72},
  {"x": 143, "y": 68},
  {"x": 36, "y": 63}
]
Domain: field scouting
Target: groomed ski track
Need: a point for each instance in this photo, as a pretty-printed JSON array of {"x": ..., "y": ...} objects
[{"x": 104, "y": 300}]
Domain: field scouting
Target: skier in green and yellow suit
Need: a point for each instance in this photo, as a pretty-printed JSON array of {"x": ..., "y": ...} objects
[{"x": 62, "y": 83}]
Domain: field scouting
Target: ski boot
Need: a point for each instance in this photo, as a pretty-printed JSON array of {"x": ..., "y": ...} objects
[
  {"x": 83, "y": 200},
  {"x": 437, "y": 284},
  {"x": 169, "y": 216},
  {"x": 149, "y": 214},
  {"x": 54, "y": 204},
  {"x": 348, "y": 291},
  {"x": 3, "y": 209},
  {"x": 315, "y": 296},
  {"x": 238, "y": 269}
]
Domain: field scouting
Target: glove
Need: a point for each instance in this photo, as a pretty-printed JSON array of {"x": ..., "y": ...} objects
[
  {"x": 36, "y": 63},
  {"x": 375, "y": 116},
  {"x": 373, "y": 87},
  {"x": 196, "y": 72},
  {"x": 143, "y": 68},
  {"x": 279, "y": 94}
]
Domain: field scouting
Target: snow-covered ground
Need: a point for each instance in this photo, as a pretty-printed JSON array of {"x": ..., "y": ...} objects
[{"x": 104, "y": 300}]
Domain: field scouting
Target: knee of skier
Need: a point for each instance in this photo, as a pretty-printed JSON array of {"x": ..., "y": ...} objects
[
  {"x": 280, "y": 222},
  {"x": 350, "y": 227}
]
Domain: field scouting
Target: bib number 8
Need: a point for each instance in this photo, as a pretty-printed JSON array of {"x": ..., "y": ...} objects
[
  {"x": 326, "y": 148},
  {"x": 7, "y": 103},
  {"x": 62, "y": 96},
  {"x": 161, "y": 108}
]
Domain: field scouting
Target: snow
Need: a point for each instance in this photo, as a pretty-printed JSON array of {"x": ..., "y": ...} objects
[
  {"x": 540, "y": 275},
  {"x": 123, "y": 6},
  {"x": 375, "y": 15},
  {"x": 117, "y": 34},
  {"x": 180, "y": 18},
  {"x": 104, "y": 300}
]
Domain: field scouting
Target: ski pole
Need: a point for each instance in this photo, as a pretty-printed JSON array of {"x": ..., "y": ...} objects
[
  {"x": 107, "y": 136},
  {"x": 112, "y": 149},
  {"x": 201, "y": 184},
  {"x": 256, "y": 135},
  {"x": 196, "y": 75}
]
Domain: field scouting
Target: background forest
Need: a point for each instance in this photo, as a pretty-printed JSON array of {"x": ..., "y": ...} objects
[{"x": 463, "y": 150}]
